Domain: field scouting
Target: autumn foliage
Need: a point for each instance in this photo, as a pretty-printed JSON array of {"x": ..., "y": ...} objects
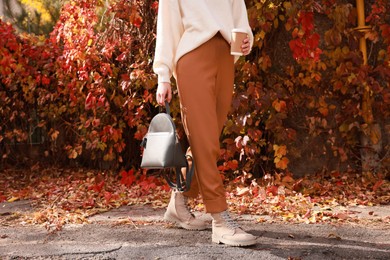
[
  {"x": 304, "y": 103},
  {"x": 85, "y": 94}
]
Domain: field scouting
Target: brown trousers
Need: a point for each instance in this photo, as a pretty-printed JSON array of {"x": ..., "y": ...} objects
[{"x": 205, "y": 78}]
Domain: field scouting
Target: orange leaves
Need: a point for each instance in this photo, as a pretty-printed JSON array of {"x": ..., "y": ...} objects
[
  {"x": 228, "y": 166},
  {"x": 280, "y": 160},
  {"x": 280, "y": 106},
  {"x": 74, "y": 151}
]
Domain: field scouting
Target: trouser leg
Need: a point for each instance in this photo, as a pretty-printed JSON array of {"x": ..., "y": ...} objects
[{"x": 205, "y": 83}]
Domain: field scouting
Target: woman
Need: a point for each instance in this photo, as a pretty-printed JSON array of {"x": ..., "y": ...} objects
[{"x": 193, "y": 45}]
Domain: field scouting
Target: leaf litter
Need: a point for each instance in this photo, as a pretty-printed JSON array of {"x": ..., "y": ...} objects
[{"x": 70, "y": 196}]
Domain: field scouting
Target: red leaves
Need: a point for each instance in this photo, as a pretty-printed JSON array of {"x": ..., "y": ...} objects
[
  {"x": 228, "y": 166},
  {"x": 2, "y": 197},
  {"x": 122, "y": 56},
  {"x": 66, "y": 196},
  {"x": 154, "y": 6},
  {"x": 148, "y": 183},
  {"x": 305, "y": 43},
  {"x": 306, "y": 20},
  {"x": 272, "y": 190},
  {"x": 45, "y": 81},
  {"x": 90, "y": 101},
  {"x": 135, "y": 17},
  {"x": 312, "y": 41},
  {"x": 97, "y": 187},
  {"x": 128, "y": 178},
  {"x": 93, "y": 83},
  {"x": 377, "y": 185}
]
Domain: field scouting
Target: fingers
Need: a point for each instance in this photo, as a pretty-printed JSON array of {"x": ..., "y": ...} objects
[
  {"x": 169, "y": 97},
  {"x": 163, "y": 93},
  {"x": 245, "y": 47},
  {"x": 160, "y": 99}
]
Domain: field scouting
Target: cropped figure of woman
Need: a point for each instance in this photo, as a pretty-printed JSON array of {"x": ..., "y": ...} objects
[{"x": 193, "y": 45}]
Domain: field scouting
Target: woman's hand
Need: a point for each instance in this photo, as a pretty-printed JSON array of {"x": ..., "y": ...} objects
[
  {"x": 164, "y": 93},
  {"x": 246, "y": 47}
]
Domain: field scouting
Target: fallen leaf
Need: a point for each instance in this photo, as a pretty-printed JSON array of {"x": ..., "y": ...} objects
[{"x": 333, "y": 235}]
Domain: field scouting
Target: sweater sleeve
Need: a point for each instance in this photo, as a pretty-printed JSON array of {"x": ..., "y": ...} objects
[
  {"x": 169, "y": 31},
  {"x": 240, "y": 18}
]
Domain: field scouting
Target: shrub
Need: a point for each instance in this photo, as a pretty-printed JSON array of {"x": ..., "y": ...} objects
[{"x": 302, "y": 95}]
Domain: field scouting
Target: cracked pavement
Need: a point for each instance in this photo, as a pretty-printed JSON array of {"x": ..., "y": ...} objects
[{"x": 137, "y": 232}]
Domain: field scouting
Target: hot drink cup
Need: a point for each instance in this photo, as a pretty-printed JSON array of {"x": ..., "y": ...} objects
[{"x": 238, "y": 35}]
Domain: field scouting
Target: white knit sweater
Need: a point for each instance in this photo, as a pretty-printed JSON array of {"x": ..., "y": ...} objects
[{"x": 183, "y": 25}]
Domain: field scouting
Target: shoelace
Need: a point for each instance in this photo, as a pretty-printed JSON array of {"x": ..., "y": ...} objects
[{"x": 231, "y": 223}]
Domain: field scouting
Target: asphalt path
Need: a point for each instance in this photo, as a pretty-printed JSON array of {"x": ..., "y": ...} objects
[{"x": 134, "y": 232}]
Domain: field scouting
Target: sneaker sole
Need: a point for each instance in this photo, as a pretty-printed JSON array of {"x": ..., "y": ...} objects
[
  {"x": 233, "y": 243},
  {"x": 181, "y": 224}
]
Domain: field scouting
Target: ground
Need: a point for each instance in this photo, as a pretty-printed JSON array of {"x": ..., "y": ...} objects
[{"x": 138, "y": 232}]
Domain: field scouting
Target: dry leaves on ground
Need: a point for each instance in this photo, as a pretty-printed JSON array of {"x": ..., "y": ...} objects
[{"x": 62, "y": 196}]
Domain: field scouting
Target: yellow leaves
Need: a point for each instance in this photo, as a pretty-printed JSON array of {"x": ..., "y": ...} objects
[
  {"x": 280, "y": 160},
  {"x": 13, "y": 199},
  {"x": 281, "y": 163},
  {"x": 261, "y": 35},
  {"x": 280, "y": 151},
  {"x": 287, "y": 5},
  {"x": 39, "y": 7}
]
